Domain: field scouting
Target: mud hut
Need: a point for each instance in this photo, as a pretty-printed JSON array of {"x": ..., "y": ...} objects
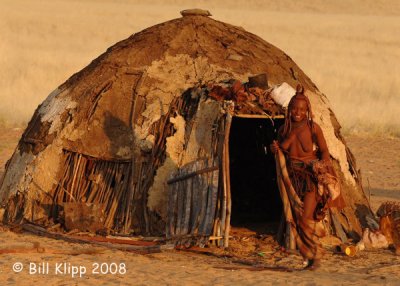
[{"x": 155, "y": 133}]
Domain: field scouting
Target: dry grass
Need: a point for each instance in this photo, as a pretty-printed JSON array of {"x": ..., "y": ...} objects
[{"x": 349, "y": 48}]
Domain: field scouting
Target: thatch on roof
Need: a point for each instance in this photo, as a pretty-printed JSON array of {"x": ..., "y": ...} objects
[{"x": 115, "y": 132}]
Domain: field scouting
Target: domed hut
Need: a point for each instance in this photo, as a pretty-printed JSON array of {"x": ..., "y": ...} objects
[{"x": 158, "y": 132}]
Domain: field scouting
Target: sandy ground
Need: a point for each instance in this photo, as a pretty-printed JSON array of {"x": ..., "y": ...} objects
[{"x": 379, "y": 160}]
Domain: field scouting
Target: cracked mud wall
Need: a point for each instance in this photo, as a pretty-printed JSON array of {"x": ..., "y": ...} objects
[
  {"x": 337, "y": 149},
  {"x": 17, "y": 176},
  {"x": 157, "y": 200},
  {"x": 35, "y": 176},
  {"x": 52, "y": 108},
  {"x": 352, "y": 191},
  {"x": 200, "y": 141},
  {"x": 170, "y": 78}
]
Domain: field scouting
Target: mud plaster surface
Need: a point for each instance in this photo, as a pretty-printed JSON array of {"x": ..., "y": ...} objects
[
  {"x": 173, "y": 76},
  {"x": 337, "y": 149},
  {"x": 35, "y": 175},
  {"x": 18, "y": 175},
  {"x": 52, "y": 108},
  {"x": 199, "y": 144},
  {"x": 169, "y": 79},
  {"x": 158, "y": 198}
]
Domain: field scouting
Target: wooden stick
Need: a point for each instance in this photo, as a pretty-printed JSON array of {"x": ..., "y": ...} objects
[
  {"x": 125, "y": 216},
  {"x": 225, "y": 186},
  {"x": 208, "y": 219},
  {"x": 338, "y": 227},
  {"x": 138, "y": 193},
  {"x": 107, "y": 192},
  {"x": 286, "y": 205},
  {"x": 188, "y": 206},
  {"x": 184, "y": 205},
  {"x": 195, "y": 199},
  {"x": 118, "y": 192},
  {"x": 259, "y": 116},
  {"x": 66, "y": 167},
  {"x": 94, "y": 184},
  {"x": 227, "y": 176},
  {"x": 97, "y": 95},
  {"x": 192, "y": 174},
  {"x": 172, "y": 197},
  {"x": 218, "y": 155},
  {"x": 179, "y": 209},
  {"x": 291, "y": 192},
  {"x": 255, "y": 267},
  {"x": 88, "y": 172},
  {"x": 75, "y": 173},
  {"x": 198, "y": 198},
  {"x": 127, "y": 199},
  {"x": 80, "y": 174},
  {"x": 59, "y": 195},
  {"x": 50, "y": 250},
  {"x": 135, "y": 99},
  {"x": 116, "y": 201},
  {"x": 203, "y": 202},
  {"x": 214, "y": 197},
  {"x": 145, "y": 213},
  {"x": 98, "y": 158},
  {"x": 143, "y": 249}
]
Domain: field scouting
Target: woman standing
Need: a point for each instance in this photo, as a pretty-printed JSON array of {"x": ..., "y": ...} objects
[{"x": 303, "y": 143}]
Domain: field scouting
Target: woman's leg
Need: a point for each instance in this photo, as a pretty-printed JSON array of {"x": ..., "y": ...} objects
[
  {"x": 309, "y": 205},
  {"x": 310, "y": 231}
]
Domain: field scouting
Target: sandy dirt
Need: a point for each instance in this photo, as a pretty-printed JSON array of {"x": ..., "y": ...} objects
[
  {"x": 265, "y": 263},
  {"x": 379, "y": 161}
]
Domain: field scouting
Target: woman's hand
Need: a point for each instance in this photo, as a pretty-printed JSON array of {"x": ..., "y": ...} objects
[{"x": 274, "y": 146}]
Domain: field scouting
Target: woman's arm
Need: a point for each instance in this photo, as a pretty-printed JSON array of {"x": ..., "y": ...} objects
[
  {"x": 281, "y": 143},
  {"x": 285, "y": 144}
]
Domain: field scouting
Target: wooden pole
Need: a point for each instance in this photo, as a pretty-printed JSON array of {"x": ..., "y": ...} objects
[
  {"x": 196, "y": 199},
  {"x": 192, "y": 174},
  {"x": 227, "y": 179},
  {"x": 338, "y": 227},
  {"x": 121, "y": 245},
  {"x": 289, "y": 238}
]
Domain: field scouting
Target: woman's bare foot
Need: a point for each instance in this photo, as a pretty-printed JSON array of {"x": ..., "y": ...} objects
[{"x": 313, "y": 264}]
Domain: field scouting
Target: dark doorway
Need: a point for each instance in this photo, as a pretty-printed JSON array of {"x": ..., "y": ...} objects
[{"x": 255, "y": 196}]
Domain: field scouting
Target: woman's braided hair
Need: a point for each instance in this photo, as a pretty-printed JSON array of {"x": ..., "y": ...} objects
[{"x": 288, "y": 122}]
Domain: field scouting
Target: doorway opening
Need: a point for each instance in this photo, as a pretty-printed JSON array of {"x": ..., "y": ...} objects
[{"x": 256, "y": 203}]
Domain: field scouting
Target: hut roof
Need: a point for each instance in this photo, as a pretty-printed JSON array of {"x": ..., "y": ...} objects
[
  {"x": 188, "y": 51},
  {"x": 222, "y": 44}
]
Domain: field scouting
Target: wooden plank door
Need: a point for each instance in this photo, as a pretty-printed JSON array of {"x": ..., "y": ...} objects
[{"x": 192, "y": 202}]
